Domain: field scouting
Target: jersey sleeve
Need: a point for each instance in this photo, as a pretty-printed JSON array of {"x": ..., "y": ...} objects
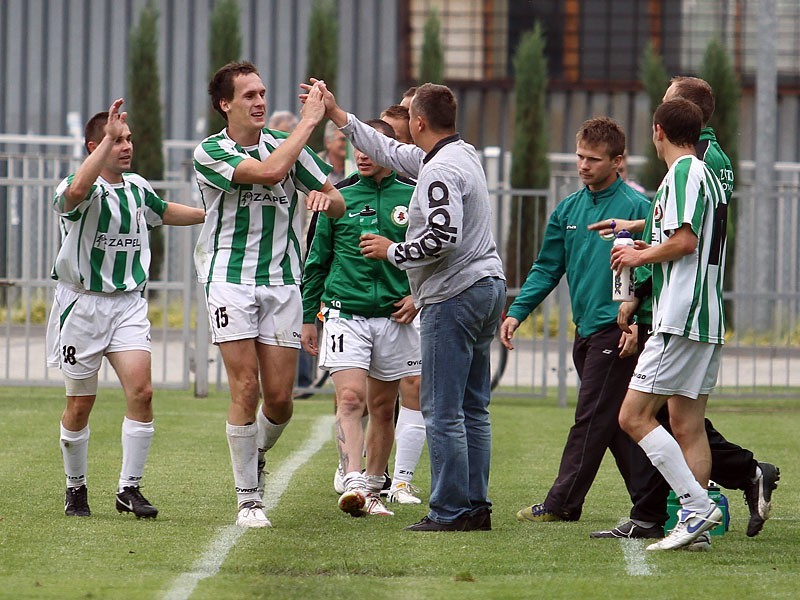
[
  {"x": 311, "y": 172},
  {"x": 154, "y": 206},
  {"x": 215, "y": 161},
  {"x": 685, "y": 200},
  {"x": 320, "y": 256},
  {"x": 59, "y": 200},
  {"x": 442, "y": 204},
  {"x": 403, "y": 158}
]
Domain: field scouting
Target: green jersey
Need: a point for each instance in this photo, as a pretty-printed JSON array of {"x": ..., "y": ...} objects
[
  {"x": 687, "y": 292},
  {"x": 105, "y": 245},
  {"x": 569, "y": 247},
  {"x": 710, "y": 152},
  {"x": 336, "y": 273},
  {"x": 252, "y": 232}
]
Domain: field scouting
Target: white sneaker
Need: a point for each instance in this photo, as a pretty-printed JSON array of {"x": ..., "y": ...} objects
[
  {"x": 690, "y": 527},
  {"x": 251, "y": 514},
  {"x": 338, "y": 480},
  {"x": 701, "y": 544},
  {"x": 403, "y": 492},
  {"x": 374, "y": 505}
]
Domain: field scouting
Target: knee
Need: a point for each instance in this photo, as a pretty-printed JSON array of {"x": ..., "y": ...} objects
[
  {"x": 142, "y": 395},
  {"x": 349, "y": 402}
]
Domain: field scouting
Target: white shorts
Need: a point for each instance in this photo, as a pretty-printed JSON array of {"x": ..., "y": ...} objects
[
  {"x": 85, "y": 326},
  {"x": 675, "y": 365},
  {"x": 384, "y": 348},
  {"x": 273, "y": 314}
]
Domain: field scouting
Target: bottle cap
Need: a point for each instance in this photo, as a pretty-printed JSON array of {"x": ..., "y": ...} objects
[
  {"x": 624, "y": 233},
  {"x": 367, "y": 211}
]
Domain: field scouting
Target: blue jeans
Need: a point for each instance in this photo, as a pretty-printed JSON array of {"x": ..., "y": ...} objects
[{"x": 455, "y": 336}]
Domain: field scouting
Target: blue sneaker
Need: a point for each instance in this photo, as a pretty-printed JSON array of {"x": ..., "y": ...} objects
[{"x": 691, "y": 526}]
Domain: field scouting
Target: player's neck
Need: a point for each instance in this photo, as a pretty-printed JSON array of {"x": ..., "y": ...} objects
[{"x": 672, "y": 153}]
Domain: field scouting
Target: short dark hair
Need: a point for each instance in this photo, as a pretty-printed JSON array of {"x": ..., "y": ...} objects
[
  {"x": 396, "y": 111},
  {"x": 95, "y": 129},
  {"x": 698, "y": 91},
  {"x": 603, "y": 130},
  {"x": 221, "y": 85},
  {"x": 383, "y": 127},
  {"x": 681, "y": 120},
  {"x": 437, "y": 104},
  {"x": 410, "y": 92}
]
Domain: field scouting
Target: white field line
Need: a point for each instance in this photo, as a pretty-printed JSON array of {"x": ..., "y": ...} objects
[
  {"x": 209, "y": 563},
  {"x": 636, "y": 557}
]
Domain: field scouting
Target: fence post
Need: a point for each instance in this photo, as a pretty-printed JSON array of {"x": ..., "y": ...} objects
[{"x": 201, "y": 346}]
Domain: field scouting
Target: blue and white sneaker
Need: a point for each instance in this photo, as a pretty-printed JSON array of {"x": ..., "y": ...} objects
[{"x": 690, "y": 527}]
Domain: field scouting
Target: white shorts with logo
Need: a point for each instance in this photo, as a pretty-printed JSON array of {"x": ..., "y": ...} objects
[
  {"x": 384, "y": 348},
  {"x": 84, "y": 326},
  {"x": 272, "y": 314},
  {"x": 672, "y": 365}
]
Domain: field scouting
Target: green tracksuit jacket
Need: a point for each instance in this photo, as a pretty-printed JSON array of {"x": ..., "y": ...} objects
[
  {"x": 569, "y": 247},
  {"x": 335, "y": 271}
]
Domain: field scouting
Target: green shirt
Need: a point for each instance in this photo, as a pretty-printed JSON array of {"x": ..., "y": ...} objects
[{"x": 570, "y": 248}]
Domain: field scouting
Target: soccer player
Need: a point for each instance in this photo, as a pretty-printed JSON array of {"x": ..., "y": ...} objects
[
  {"x": 248, "y": 258},
  {"x": 604, "y": 357},
  {"x": 680, "y": 362},
  {"x": 732, "y": 466},
  {"x": 457, "y": 279},
  {"x": 99, "y": 309},
  {"x": 368, "y": 343}
]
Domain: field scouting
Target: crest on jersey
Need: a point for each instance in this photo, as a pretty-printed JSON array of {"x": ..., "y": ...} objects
[
  {"x": 400, "y": 215},
  {"x": 658, "y": 214}
]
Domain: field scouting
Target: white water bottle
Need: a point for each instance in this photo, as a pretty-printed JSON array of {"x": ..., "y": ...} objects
[{"x": 622, "y": 282}]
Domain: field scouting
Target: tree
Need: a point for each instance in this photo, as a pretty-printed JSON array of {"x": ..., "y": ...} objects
[
  {"x": 225, "y": 45},
  {"x": 323, "y": 54},
  {"x": 530, "y": 168},
  {"x": 718, "y": 71},
  {"x": 431, "y": 65},
  {"x": 144, "y": 113},
  {"x": 655, "y": 81}
]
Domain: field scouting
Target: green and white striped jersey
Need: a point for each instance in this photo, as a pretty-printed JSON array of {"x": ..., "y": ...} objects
[
  {"x": 687, "y": 293},
  {"x": 105, "y": 246},
  {"x": 252, "y": 232}
]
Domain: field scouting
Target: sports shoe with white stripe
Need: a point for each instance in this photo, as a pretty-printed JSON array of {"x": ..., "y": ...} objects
[
  {"x": 338, "y": 480},
  {"x": 251, "y": 515},
  {"x": 374, "y": 505},
  {"x": 403, "y": 492},
  {"x": 690, "y": 527}
]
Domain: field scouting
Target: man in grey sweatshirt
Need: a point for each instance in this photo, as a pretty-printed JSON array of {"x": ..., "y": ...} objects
[{"x": 457, "y": 279}]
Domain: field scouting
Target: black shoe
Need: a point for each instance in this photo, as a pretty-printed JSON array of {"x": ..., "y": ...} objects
[
  {"x": 480, "y": 520},
  {"x": 428, "y": 524},
  {"x": 630, "y": 530},
  {"x": 76, "y": 504},
  {"x": 387, "y": 485},
  {"x": 758, "y": 496},
  {"x": 130, "y": 499}
]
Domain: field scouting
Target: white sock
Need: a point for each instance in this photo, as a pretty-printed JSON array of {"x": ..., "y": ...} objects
[
  {"x": 244, "y": 460},
  {"x": 75, "y": 451},
  {"x": 409, "y": 435},
  {"x": 354, "y": 480},
  {"x": 268, "y": 432},
  {"x": 374, "y": 483},
  {"x": 664, "y": 452},
  {"x": 136, "y": 439}
]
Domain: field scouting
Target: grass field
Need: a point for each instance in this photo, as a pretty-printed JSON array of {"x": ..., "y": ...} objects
[{"x": 315, "y": 551}]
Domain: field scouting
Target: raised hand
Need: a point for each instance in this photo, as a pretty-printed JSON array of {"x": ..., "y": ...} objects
[{"x": 115, "y": 126}]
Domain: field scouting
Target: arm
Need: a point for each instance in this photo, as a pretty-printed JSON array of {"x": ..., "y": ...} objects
[
  {"x": 681, "y": 243},
  {"x": 318, "y": 263},
  {"x": 444, "y": 221},
  {"x": 406, "y": 311},
  {"x": 277, "y": 165},
  {"x": 91, "y": 168},
  {"x": 328, "y": 201},
  {"x": 609, "y": 226},
  {"x": 180, "y": 214}
]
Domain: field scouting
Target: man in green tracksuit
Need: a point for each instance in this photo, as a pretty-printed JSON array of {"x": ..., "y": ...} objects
[
  {"x": 368, "y": 342},
  {"x": 603, "y": 358}
]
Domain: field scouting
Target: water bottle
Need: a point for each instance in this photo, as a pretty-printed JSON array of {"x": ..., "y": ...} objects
[
  {"x": 622, "y": 282},
  {"x": 368, "y": 219}
]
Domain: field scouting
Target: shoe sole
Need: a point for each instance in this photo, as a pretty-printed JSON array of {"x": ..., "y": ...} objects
[
  {"x": 122, "y": 508},
  {"x": 713, "y": 519},
  {"x": 352, "y": 503}
]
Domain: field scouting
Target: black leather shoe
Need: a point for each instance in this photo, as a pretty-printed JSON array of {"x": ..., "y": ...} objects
[
  {"x": 630, "y": 530},
  {"x": 480, "y": 520},
  {"x": 428, "y": 524}
]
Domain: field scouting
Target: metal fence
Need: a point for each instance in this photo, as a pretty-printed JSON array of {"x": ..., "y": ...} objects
[{"x": 761, "y": 358}]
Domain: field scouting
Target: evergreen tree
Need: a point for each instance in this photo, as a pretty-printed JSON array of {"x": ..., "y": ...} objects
[
  {"x": 225, "y": 45},
  {"x": 431, "y": 67},
  {"x": 530, "y": 168},
  {"x": 323, "y": 54},
  {"x": 718, "y": 71},
  {"x": 655, "y": 81},
  {"x": 144, "y": 113}
]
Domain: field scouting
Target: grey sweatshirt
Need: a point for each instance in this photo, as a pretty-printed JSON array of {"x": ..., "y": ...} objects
[{"x": 449, "y": 244}]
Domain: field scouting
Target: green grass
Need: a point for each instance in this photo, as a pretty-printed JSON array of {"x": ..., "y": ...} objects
[{"x": 315, "y": 551}]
